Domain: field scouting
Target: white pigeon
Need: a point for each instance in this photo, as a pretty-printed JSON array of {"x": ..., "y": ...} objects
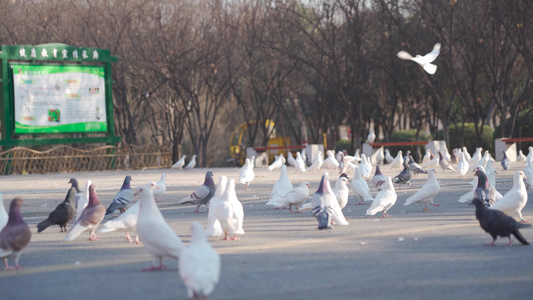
[
  {"x": 463, "y": 165},
  {"x": 365, "y": 166},
  {"x": 380, "y": 156},
  {"x": 160, "y": 186},
  {"x": 521, "y": 156},
  {"x": 154, "y": 232},
  {"x": 528, "y": 171},
  {"x": 192, "y": 163},
  {"x": 247, "y": 174},
  {"x": 432, "y": 163},
  {"x": 398, "y": 161},
  {"x": 317, "y": 163},
  {"x": 529, "y": 153},
  {"x": 281, "y": 188},
  {"x": 360, "y": 187},
  {"x": 427, "y": 192},
  {"x": 357, "y": 154},
  {"x": 331, "y": 162},
  {"x": 83, "y": 200},
  {"x": 180, "y": 163},
  {"x": 384, "y": 200},
  {"x": 282, "y": 157},
  {"x": 299, "y": 163},
  {"x": 482, "y": 161},
  {"x": 230, "y": 212},
  {"x": 427, "y": 157},
  {"x": 297, "y": 196},
  {"x": 467, "y": 155},
  {"x": 290, "y": 159},
  {"x": 371, "y": 136},
  {"x": 515, "y": 199},
  {"x": 471, "y": 193},
  {"x": 476, "y": 157},
  {"x": 388, "y": 157},
  {"x": 489, "y": 168},
  {"x": 341, "y": 191},
  {"x": 199, "y": 265},
  {"x": 127, "y": 221},
  {"x": 276, "y": 164},
  {"x": 3, "y": 213},
  {"x": 213, "y": 225},
  {"x": 424, "y": 61}
]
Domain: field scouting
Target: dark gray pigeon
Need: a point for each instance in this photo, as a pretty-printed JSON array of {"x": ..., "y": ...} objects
[
  {"x": 15, "y": 236},
  {"x": 122, "y": 198},
  {"x": 64, "y": 212},
  {"x": 323, "y": 212},
  {"x": 405, "y": 175},
  {"x": 497, "y": 223},
  {"x": 203, "y": 194},
  {"x": 416, "y": 168},
  {"x": 506, "y": 162}
]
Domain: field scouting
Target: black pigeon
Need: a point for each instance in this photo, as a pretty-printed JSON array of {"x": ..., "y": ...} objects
[
  {"x": 497, "y": 223},
  {"x": 506, "y": 162},
  {"x": 64, "y": 212},
  {"x": 405, "y": 175},
  {"x": 416, "y": 168}
]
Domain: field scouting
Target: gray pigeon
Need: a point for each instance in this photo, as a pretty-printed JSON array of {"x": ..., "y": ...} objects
[
  {"x": 483, "y": 190},
  {"x": 321, "y": 211},
  {"x": 203, "y": 194},
  {"x": 122, "y": 198},
  {"x": 416, "y": 168},
  {"x": 89, "y": 219},
  {"x": 506, "y": 162},
  {"x": 444, "y": 164},
  {"x": 405, "y": 175},
  {"x": 497, "y": 223},
  {"x": 378, "y": 179},
  {"x": 15, "y": 236},
  {"x": 64, "y": 212}
]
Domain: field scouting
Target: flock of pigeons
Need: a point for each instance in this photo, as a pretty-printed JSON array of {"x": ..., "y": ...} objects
[{"x": 199, "y": 263}]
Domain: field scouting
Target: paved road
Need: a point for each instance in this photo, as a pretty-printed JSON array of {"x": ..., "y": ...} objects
[{"x": 412, "y": 255}]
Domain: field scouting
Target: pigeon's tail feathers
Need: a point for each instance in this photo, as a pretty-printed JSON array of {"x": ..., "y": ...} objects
[
  {"x": 404, "y": 55},
  {"x": 524, "y": 225},
  {"x": 43, "y": 225},
  {"x": 520, "y": 237},
  {"x": 114, "y": 206},
  {"x": 74, "y": 232},
  {"x": 430, "y": 68}
]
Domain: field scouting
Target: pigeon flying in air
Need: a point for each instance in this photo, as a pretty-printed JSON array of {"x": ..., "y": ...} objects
[
  {"x": 154, "y": 232},
  {"x": 405, "y": 176},
  {"x": 89, "y": 219},
  {"x": 281, "y": 188},
  {"x": 427, "y": 192},
  {"x": 515, "y": 199},
  {"x": 15, "y": 236},
  {"x": 203, "y": 194},
  {"x": 247, "y": 174},
  {"x": 213, "y": 225},
  {"x": 3, "y": 213},
  {"x": 63, "y": 213},
  {"x": 122, "y": 198},
  {"x": 424, "y": 61},
  {"x": 497, "y": 223},
  {"x": 506, "y": 162},
  {"x": 384, "y": 200},
  {"x": 180, "y": 163},
  {"x": 199, "y": 265},
  {"x": 230, "y": 212},
  {"x": 192, "y": 163}
]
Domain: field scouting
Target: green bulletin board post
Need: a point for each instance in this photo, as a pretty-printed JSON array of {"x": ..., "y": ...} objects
[{"x": 56, "y": 89}]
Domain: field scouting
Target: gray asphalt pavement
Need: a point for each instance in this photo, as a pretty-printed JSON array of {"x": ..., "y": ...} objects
[{"x": 411, "y": 255}]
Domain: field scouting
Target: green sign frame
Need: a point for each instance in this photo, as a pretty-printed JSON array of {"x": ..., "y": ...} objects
[{"x": 53, "y": 55}]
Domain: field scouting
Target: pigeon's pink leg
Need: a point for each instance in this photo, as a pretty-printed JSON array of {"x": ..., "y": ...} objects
[
  {"x": 435, "y": 204},
  {"x": 128, "y": 237},
  {"x": 197, "y": 211},
  {"x": 385, "y": 215},
  {"x": 524, "y": 221},
  {"x": 93, "y": 237},
  {"x": 7, "y": 268},
  {"x": 510, "y": 241},
  {"x": 225, "y": 237},
  {"x": 290, "y": 208},
  {"x": 160, "y": 267},
  {"x": 137, "y": 240},
  {"x": 235, "y": 238},
  {"x": 490, "y": 244}
]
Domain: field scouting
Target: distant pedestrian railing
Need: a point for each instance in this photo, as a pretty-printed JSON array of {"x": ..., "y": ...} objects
[{"x": 21, "y": 160}]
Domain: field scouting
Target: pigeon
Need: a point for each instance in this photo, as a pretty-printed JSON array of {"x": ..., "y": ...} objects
[
  {"x": 331, "y": 162},
  {"x": 484, "y": 190},
  {"x": 154, "y": 232},
  {"x": 180, "y": 163},
  {"x": 3, "y": 213},
  {"x": 160, "y": 186},
  {"x": 489, "y": 169},
  {"x": 343, "y": 166},
  {"x": 467, "y": 155},
  {"x": 122, "y": 198},
  {"x": 15, "y": 236},
  {"x": 199, "y": 265},
  {"x": 471, "y": 193},
  {"x": 299, "y": 163},
  {"x": 276, "y": 164},
  {"x": 444, "y": 164},
  {"x": 317, "y": 163},
  {"x": 424, "y": 61},
  {"x": 290, "y": 159},
  {"x": 427, "y": 157},
  {"x": 281, "y": 188},
  {"x": 427, "y": 192},
  {"x": 405, "y": 176},
  {"x": 388, "y": 157},
  {"x": 297, "y": 196},
  {"x": 476, "y": 157},
  {"x": 521, "y": 156},
  {"x": 384, "y": 200},
  {"x": 380, "y": 156},
  {"x": 515, "y": 199},
  {"x": 371, "y": 136},
  {"x": 125, "y": 222},
  {"x": 398, "y": 160},
  {"x": 247, "y": 174},
  {"x": 416, "y": 168},
  {"x": 365, "y": 166},
  {"x": 482, "y": 162},
  {"x": 325, "y": 206},
  {"x": 83, "y": 200},
  {"x": 230, "y": 212},
  {"x": 506, "y": 162},
  {"x": 63, "y": 213},
  {"x": 496, "y": 223},
  {"x": 454, "y": 157},
  {"x": 463, "y": 165},
  {"x": 432, "y": 163},
  {"x": 191, "y": 163},
  {"x": 203, "y": 194},
  {"x": 360, "y": 187},
  {"x": 342, "y": 191},
  {"x": 213, "y": 225},
  {"x": 378, "y": 179},
  {"x": 528, "y": 171},
  {"x": 77, "y": 196},
  {"x": 89, "y": 219}
]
